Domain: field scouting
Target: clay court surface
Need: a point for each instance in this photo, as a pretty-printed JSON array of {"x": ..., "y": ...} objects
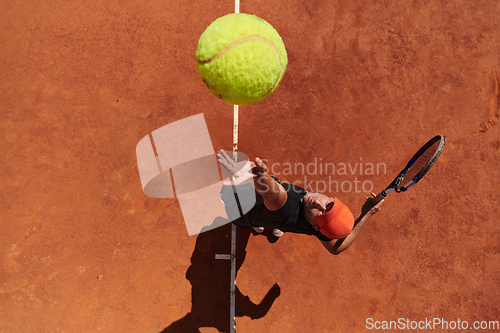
[{"x": 82, "y": 249}]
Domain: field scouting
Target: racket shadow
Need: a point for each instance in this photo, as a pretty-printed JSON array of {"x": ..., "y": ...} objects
[{"x": 210, "y": 283}]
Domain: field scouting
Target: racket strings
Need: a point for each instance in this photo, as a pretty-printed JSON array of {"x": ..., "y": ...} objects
[{"x": 422, "y": 162}]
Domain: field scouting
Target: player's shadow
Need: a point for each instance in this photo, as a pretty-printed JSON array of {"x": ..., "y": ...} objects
[{"x": 210, "y": 280}]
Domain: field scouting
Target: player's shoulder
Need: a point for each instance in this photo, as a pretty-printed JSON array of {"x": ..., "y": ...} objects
[
  {"x": 290, "y": 187},
  {"x": 297, "y": 191}
]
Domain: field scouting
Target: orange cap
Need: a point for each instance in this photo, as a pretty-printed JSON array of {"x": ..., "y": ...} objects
[{"x": 337, "y": 222}]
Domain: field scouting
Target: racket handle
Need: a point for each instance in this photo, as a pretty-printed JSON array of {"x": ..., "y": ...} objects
[{"x": 379, "y": 198}]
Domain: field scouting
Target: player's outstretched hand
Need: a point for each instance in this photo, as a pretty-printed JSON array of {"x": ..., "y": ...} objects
[
  {"x": 259, "y": 167},
  {"x": 240, "y": 171},
  {"x": 369, "y": 208}
]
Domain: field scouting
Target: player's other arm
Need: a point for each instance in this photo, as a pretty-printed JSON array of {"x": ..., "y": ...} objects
[
  {"x": 273, "y": 192},
  {"x": 337, "y": 246}
]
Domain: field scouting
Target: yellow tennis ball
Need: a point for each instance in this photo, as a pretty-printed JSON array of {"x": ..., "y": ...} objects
[{"x": 241, "y": 58}]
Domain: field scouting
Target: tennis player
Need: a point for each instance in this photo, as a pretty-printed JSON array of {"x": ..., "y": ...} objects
[{"x": 289, "y": 208}]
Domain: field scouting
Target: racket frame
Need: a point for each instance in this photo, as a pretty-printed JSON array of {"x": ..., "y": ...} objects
[{"x": 394, "y": 186}]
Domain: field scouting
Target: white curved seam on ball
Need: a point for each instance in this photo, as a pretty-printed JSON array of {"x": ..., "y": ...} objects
[
  {"x": 221, "y": 52},
  {"x": 203, "y": 62}
]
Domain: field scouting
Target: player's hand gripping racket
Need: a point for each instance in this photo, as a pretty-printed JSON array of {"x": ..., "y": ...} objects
[{"x": 416, "y": 168}]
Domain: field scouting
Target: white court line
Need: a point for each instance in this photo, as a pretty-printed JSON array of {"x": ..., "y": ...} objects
[
  {"x": 235, "y": 130},
  {"x": 232, "y": 302},
  {"x": 223, "y": 256},
  {"x": 232, "y": 324}
]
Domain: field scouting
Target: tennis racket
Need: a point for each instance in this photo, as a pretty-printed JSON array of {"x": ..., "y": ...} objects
[{"x": 416, "y": 168}]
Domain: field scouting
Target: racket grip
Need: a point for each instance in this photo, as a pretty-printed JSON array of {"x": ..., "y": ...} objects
[{"x": 379, "y": 198}]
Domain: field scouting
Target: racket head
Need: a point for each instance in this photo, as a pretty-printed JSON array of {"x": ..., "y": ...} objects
[{"x": 419, "y": 164}]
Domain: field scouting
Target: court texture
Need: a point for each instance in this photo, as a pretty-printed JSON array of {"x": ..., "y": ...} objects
[{"x": 83, "y": 249}]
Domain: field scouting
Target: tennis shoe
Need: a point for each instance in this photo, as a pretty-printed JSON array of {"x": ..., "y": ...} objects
[
  {"x": 259, "y": 229},
  {"x": 277, "y": 232}
]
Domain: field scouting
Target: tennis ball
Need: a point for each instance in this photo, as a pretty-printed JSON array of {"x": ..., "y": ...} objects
[{"x": 241, "y": 58}]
